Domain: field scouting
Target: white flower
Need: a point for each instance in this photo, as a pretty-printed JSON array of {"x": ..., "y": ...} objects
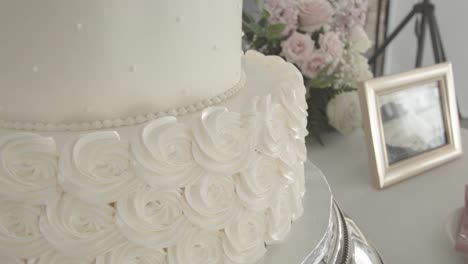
[
  {"x": 164, "y": 149},
  {"x": 257, "y": 185},
  {"x": 244, "y": 240},
  {"x": 359, "y": 40},
  {"x": 133, "y": 254},
  {"x": 153, "y": 218},
  {"x": 200, "y": 247},
  {"x": 98, "y": 168},
  {"x": 212, "y": 203},
  {"x": 20, "y": 236},
  {"x": 28, "y": 168},
  {"x": 80, "y": 230},
  {"x": 53, "y": 257},
  {"x": 344, "y": 112},
  {"x": 225, "y": 140}
]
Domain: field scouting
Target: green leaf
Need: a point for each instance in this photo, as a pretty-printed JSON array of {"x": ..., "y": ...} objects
[
  {"x": 274, "y": 31},
  {"x": 257, "y": 4},
  {"x": 246, "y": 17}
]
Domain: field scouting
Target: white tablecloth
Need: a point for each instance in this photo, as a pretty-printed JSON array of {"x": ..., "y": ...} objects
[{"x": 407, "y": 221}]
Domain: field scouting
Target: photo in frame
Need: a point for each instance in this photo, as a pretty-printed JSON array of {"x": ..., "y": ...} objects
[{"x": 410, "y": 122}]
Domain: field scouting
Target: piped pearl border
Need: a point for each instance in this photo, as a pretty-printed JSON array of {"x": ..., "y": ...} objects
[{"x": 128, "y": 121}]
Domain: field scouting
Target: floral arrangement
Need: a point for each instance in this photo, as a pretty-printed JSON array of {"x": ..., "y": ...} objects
[{"x": 325, "y": 39}]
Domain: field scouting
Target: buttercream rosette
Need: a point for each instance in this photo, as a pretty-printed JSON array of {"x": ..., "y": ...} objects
[
  {"x": 164, "y": 150},
  {"x": 200, "y": 247},
  {"x": 20, "y": 236},
  {"x": 212, "y": 203},
  {"x": 244, "y": 240},
  {"x": 279, "y": 216},
  {"x": 130, "y": 253},
  {"x": 54, "y": 257},
  {"x": 78, "y": 229},
  {"x": 28, "y": 168},
  {"x": 225, "y": 140},
  {"x": 98, "y": 168},
  {"x": 153, "y": 218},
  {"x": 257, "y": 185}
]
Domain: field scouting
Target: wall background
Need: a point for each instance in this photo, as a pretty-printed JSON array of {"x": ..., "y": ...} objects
[{"x": 452, "y": 17}]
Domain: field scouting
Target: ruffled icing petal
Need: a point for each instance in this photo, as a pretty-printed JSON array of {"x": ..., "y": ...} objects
[{"x": 98, "y": 168}]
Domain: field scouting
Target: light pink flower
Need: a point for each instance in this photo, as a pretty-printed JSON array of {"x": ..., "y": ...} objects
[
  {"x": 331, "y": 44},
  {"x": 351, "y": 15},
  {"x": 314, "y": 64},
  {"x": 284, "y": 12},
  {"x": 313, "y": 14},
  {"x": 297, "y": 47}
]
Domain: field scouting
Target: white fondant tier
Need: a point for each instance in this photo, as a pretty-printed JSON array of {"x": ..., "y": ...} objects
[
  {"x": 217, "y": 186},
  {"x": 77, "y": 62}
]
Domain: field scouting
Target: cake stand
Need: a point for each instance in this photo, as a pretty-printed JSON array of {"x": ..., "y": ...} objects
[{"x": 324, "y": 234}]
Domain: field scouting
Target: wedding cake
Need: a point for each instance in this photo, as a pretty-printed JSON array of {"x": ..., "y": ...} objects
[{"x": 138, "y": 132}]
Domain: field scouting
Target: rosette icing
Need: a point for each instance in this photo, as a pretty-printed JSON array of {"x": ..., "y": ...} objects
[
  {"x": 200, "y": 247},
  {"x": 133, "y": 254},
  {"x": 153, "y": 218},
  {"x": 211, "y": 203},
  {"x": 257, "y": 185},
  {"x": 164, "y": 150},
  {"x": 53, "y": 257},
  {"x": 225, "y": 140},
  {"x": 279, "y": 216},
  {"x": 244, "y": 239},
  {"x": 8, "y": 260},
  {"x": 273, "y": 131},
  {"x": 78, "y": 229},
  {"x": 98, "y": 168},
  {"x": 28, "y": 169},
  {"x": 20, "y": 236}
]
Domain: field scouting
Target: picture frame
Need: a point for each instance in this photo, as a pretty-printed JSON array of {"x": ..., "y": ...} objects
[{"x": 411, "y": 122}]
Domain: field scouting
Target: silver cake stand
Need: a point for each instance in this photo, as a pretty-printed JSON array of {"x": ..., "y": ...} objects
[{"x": 324, "y": 234}]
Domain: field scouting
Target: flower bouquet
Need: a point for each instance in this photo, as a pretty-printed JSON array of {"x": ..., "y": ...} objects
[{"x": 325, "y": 39}]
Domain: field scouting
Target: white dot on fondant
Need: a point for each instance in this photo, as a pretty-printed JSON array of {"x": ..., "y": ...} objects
[
  {"x": 242, "y": 34},
  {"x": 79, "y": 26},
  {"x": 132, "y": 68},
  {"x": 214, "y": 47},
  {"x": 35, "y": 68},
  {"x": 184, "y": 92},
  {"x": 178, "y": 19}
]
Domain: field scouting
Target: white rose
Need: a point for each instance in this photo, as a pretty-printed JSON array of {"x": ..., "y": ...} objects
[
  {"x": 244, "y": 240},
  {"x": 28, "y": 168},
  {"x": 80, "y": 230},
  {"x": 359, "y": 40},
  {"x": 200, "y": 247},
  {"x": 98, "y": 168},
  {"x": 257, "y": 185},
  {"x": 130, "y": 253},
  {"x": 164, "y": 149},
  {"x": 225, "y": 140},
  {"x": 53, "y": 257},
  {"x": 153, "y": 218},
  {"x": 211, "y": 203},
  {"x": 344, "y": 112},
  {"x": 20, "y": 236}
]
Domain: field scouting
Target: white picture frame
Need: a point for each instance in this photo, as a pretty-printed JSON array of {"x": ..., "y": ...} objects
[{"x": 411, "y": 123}]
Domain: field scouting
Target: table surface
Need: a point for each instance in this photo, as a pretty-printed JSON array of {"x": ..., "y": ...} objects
[{"x": 407, "y": 221}]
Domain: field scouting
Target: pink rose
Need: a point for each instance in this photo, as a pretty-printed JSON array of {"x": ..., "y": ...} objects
[
  {"x": 314, "y": 64},
  {"x": 313, "y": 14},
  {"x": 284, "y": 12},
  {"x": 331, "y": 44},
  {"x": 297, "y": 47}
]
